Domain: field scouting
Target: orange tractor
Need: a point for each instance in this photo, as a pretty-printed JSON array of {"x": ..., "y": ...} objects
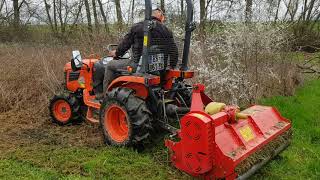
[{"x": 213, "y": 140}]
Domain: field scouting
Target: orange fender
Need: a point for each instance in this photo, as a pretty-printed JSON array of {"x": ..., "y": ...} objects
[{"x": 137, "y": 83}]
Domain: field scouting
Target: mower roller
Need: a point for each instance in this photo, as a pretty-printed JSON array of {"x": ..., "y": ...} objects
[{"x": 213, "y": 140}]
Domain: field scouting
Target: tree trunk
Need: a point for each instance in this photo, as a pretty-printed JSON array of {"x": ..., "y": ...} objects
[
  {"x": 104, "y": 17},
  {"x": 311, "y": 6},
  {"x": 305, "y": 9},
  {"x": 182, "y": 9},
  {"x": 47, "y": 6},
  {"x": 62, "y": 24},
  {"x": 1, "y": 5},
  {"x": 76, "y": 18},
  {"x": 248, "y": 11},
  {"x": 132, "y": 11},
  {"x": 277, "y": 11},
  {"x": 16, "y": 14},
  {"x": 95, "y": 15},
  {"x": 86, "y": 4},
  {"x": 119, "y": 13},
  {"x": 202, "y": 16},
  {"x": 162, "y": 6},
  {"x": 55, "y": 15}
]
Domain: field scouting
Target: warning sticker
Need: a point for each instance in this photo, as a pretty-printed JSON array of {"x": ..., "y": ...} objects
[
  {"x": 246, "y": 133},
  {"x": 145, "y": 40}
]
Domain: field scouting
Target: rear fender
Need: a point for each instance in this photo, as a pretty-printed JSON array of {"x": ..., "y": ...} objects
[{"x": 137, "y": 83}]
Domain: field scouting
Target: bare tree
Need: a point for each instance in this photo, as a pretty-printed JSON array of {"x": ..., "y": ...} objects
[
  {"x": 86, "y": 4},
  {"x": 162, "y": 5},
  {"x": 104, "y": 17},
  {"x": 182, "y": 8},
  {"x": 119, "y": 13},
  {"x": 277, "y": 11},
  {"x": 16, "y": 12},
  {"x": 95, "y": 15},
  {"x": 76, "y": 14},
  {"x": 2, "y": 2},
  {"x": 311, "y": 6},
  {"x": 132, "y": 11},
  {"x": 248, "y": 11},
  {"x": 62, "y": 24},
  {"x": 292, "y": 8},
  {"x": 47, "y": 7},
  {"x": 202, "y": 15},
  {"x": 55, "y": 15}
]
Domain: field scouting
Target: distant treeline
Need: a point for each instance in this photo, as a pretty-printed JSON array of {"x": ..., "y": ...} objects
[{"x": 62, "y": 19}]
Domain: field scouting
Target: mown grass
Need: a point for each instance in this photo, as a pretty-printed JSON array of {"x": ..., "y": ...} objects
[{"x": 48, "y": 162}]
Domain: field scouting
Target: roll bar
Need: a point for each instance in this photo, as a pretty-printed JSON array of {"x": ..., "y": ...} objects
[
  {"x": 146, "y": 36},
  {"x": 189, "y": 27}
]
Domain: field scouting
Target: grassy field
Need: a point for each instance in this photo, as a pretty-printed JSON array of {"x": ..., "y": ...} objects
[
  {"x": 33, "y": 148},
  {"x": 302, "y": 159},
  {"x": 47, "y": 154}
]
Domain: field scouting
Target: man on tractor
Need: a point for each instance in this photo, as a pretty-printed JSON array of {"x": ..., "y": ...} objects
[{"x": 134, "y": 39}]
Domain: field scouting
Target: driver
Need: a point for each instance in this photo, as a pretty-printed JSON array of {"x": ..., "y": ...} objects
[{"x": 134, "y": 39}]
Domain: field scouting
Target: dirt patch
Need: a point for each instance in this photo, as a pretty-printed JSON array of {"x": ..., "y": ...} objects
[
  {"x": 29, "y": 78},
  {"x": 22, "y": 129}
]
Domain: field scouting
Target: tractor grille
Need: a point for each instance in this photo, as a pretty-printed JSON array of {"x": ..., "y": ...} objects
[
  {"x": 74, "y": 76},
  {"x": 263, "y": 153}
]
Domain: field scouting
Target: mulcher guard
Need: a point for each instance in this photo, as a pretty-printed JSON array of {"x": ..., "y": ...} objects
[{"x": 224, "y": 146}]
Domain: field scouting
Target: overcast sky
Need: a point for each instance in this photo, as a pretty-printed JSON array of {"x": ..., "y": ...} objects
[{"x": 219, "y": 10}]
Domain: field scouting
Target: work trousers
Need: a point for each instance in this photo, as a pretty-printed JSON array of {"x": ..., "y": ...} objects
[{"x": 111, "y": 71}]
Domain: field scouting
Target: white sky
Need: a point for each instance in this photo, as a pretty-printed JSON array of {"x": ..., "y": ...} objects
[{"x": 219, "y": 11}]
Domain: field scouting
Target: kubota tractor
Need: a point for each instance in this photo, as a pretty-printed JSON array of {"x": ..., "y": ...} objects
[{"x": 214, "y": 141}]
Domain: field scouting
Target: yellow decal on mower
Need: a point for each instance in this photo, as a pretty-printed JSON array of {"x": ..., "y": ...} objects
[{"x": 246, "y": 133}]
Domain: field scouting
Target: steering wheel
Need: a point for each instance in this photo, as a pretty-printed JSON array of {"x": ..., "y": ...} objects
[{"x": 112, "y": 47}]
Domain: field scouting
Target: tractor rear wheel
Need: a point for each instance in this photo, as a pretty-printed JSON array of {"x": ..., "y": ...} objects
[
  {"x": 125, "y": 119},
  {"x": 64, "y": 108}
]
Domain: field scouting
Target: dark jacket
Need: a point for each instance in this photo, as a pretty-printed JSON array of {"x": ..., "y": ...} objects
[{"x": 134, "y": 39}]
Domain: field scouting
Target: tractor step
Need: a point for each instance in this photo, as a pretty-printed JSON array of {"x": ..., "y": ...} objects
[
  {"x": 91, "y": 101},
  {"x": 91, "y": 115}
]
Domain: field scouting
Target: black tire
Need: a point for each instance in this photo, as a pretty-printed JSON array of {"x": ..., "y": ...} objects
[
  {"x": 74, "y": 104},
  {"x": 139, "y": 119}
]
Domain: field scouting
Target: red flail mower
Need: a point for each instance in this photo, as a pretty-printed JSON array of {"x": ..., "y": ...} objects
[
  {"x": 213, "y": 140},
  {"x": 218, "y": 141}
]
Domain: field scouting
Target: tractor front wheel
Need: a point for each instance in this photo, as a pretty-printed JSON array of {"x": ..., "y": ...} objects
[
  {"x": 64, "y": 109},
  {"x": 125, "y": 119}
]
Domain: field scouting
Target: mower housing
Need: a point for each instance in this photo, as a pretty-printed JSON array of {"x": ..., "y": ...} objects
[{"x": 220, "y": 146}]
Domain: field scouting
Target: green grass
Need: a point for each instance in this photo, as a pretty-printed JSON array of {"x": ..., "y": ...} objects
[
  {"x": 300, "y": 161},
  {"x": 47, "y": 162}
]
